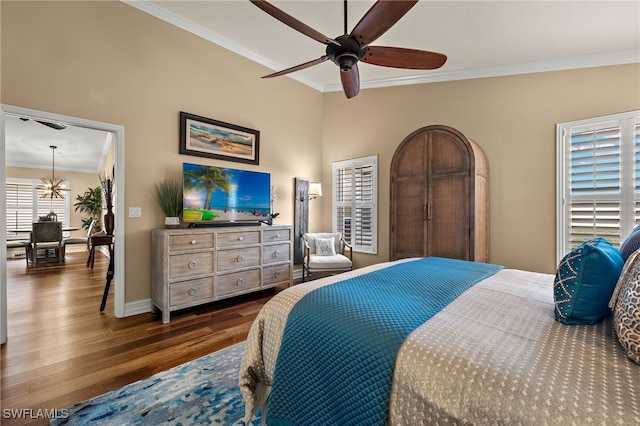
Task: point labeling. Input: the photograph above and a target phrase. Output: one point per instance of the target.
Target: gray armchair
(325, 252)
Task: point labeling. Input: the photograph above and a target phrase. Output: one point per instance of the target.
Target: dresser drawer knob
(240, 238)
(278, 253)
(240, 281)
(193, 291)
(240, 258)
(277, 274)
(277, 235)
(193, 242)
(193, 264)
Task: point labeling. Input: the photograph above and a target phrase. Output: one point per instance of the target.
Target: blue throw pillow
(631, 243)
(584, 282)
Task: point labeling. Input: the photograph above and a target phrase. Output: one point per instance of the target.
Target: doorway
(118, 132)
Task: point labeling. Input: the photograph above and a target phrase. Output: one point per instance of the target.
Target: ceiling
(481, 39)
(79, 149)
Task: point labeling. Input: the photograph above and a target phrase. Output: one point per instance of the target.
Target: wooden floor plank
(62, 350)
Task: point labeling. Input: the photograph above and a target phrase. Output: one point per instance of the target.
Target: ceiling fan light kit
(348, 49)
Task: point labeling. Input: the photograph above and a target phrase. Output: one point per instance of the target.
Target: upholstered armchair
(325, 252)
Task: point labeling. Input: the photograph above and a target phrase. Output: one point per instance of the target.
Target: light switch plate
(135, 212)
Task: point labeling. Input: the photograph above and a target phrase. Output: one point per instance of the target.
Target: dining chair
(14, 244)
(46, 236)
(79, 240)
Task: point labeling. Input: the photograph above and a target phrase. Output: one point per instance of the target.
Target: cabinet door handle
(427, 211)
(193, 291)
(240, 281)
(240, 258)
(193, 242)
(193, 264)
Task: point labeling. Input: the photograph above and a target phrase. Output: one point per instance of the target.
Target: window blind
(598, 179)
(25, 204)
(355, 202)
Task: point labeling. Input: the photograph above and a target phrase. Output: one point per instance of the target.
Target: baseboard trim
(138, 307)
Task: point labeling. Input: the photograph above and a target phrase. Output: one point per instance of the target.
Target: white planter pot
(171, 222)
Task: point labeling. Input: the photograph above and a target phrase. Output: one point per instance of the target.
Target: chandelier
(53, 187)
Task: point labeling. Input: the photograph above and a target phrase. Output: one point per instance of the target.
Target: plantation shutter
(598, 179)
(19, 210)
(25, 205)
(355, 202)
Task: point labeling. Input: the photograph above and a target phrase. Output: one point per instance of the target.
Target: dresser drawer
(238, 282)
(228, 239)
(276, 274)
(276, 235)
(189, 292)
(190, 242)
(275, 253)
(231, 259)
(190, 264)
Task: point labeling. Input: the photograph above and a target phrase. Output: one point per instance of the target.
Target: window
(355, 212)
(25, 205)
(598, 179)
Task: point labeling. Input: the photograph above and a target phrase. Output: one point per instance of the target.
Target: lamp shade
(315, 189)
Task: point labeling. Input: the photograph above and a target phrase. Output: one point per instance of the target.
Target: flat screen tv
(218, 195)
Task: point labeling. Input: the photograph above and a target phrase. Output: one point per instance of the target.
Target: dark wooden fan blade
(382, 16)
(293, 22)
(398, 57)
(298, 67)
(350, 81)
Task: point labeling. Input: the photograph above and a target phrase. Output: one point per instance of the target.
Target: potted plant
(168, 194)
(90, 202)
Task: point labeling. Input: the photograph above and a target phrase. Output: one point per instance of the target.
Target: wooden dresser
(190, 267)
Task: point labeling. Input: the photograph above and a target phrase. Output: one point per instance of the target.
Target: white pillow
(325, 246)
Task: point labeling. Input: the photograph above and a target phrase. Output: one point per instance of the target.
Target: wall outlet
(135, 212)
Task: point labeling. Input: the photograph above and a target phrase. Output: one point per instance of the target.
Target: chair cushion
(326, 246)
(311, 239)
(337, 261)
(584, 282)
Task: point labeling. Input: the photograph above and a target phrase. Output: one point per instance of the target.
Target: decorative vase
(108, 222)
(171, 222)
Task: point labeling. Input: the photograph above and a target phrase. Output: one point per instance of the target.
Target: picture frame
(205, 137)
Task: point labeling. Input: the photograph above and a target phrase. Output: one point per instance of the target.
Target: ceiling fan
(346, 50)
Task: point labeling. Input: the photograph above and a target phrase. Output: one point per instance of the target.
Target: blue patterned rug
(201, 392)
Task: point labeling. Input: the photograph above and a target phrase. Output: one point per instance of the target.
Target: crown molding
(202, 32)
(557, 64)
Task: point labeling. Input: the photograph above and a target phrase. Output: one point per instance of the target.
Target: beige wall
(512, 118)
(109, 62)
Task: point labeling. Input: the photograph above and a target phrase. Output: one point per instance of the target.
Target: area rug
(201, 392)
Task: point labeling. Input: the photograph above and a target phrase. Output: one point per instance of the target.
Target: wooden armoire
(439, 196)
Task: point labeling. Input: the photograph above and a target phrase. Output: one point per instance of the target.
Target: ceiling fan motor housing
(347, 54)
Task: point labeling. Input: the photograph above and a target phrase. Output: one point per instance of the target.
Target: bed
(493, 355)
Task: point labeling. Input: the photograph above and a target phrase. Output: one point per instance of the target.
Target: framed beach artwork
(205, 137)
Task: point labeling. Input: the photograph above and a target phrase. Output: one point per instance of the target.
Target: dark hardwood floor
(62, 350)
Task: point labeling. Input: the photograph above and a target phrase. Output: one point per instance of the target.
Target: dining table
(28, 230)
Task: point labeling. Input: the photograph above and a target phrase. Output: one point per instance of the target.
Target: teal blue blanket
(340, 341)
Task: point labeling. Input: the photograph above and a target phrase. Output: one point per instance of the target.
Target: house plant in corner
(169, 195)
(90, 202)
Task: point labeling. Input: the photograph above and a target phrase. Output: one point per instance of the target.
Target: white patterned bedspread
(495, 355)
